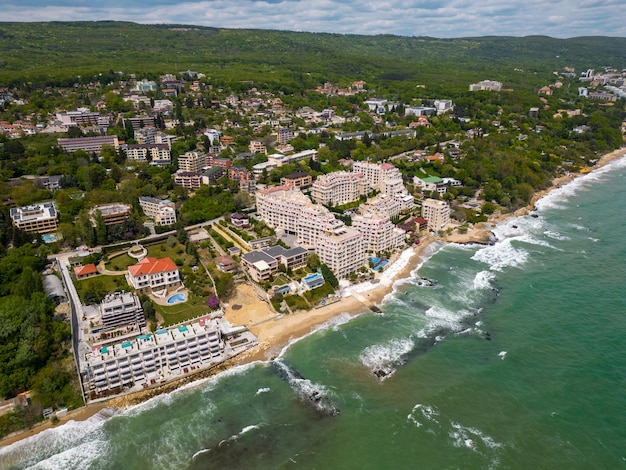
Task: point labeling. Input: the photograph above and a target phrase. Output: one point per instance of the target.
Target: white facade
(150, 358)
(339, 187)
(153, 273)
(379, 233)
(387, 179)
(163, 212)
(316, 228)
(436, 212)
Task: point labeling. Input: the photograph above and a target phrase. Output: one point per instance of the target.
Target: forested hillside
(55, 52)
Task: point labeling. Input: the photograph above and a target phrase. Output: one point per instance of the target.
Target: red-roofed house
(83, 272)
(153, 273)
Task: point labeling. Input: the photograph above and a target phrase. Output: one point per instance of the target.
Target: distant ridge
(58, 50)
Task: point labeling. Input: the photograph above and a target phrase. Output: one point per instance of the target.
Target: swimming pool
(176, 298)
(48, 238)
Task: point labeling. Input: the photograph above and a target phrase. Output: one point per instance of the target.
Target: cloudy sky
(436, 18)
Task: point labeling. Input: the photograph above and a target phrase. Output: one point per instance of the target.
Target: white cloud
(439, 18)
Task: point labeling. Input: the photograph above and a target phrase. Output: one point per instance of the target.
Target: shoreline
(274, 333)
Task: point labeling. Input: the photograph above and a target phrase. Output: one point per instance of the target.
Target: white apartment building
(384, 204)
(379, 233)
(148, 359)
(192, 162)
(486, 85)
(342, 250)
(152, 273)
(387, 179)
(316, 228)
(436, 212)
(37, 218)
(162, 211)
(339, 187)
(280, 160)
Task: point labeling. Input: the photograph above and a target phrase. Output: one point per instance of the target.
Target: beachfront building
(315, 227)
(379, 233)
(36, 218)
(261, 264)
(162, 211)
(152, 274)
(387, 179)
(152, 358)
(436, 212)
(120, 309)
(112, 214)
(339, 187)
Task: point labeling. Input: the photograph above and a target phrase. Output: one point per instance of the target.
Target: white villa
(152, 273)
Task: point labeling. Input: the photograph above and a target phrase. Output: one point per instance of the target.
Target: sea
(508, 356)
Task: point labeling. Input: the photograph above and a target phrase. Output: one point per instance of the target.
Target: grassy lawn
(280, 280)
(315, 296)
(296, 302)
(194, 307)
(101, 284)
(120, 263)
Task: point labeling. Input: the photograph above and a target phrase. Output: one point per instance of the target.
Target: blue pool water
(176, 298)
(48, 238)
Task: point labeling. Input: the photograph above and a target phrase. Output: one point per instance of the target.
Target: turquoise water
(513, 359)
(176, 298)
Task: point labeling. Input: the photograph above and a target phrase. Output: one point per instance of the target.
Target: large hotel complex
(342, 248)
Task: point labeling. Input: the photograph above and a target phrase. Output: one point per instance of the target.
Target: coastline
(275, 333)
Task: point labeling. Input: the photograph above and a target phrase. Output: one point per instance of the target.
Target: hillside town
(152, 200)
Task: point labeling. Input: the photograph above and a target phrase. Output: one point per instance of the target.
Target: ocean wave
(423, 413)
(558, 198)
(55, 440)
(501, 255)
(332, 323)
(263, 390)
(483, 280)
(471, 438)
(310, 392)
(383, 359)
(77, 457)
(235, 437)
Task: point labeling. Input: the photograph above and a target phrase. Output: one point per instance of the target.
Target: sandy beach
(274, 331)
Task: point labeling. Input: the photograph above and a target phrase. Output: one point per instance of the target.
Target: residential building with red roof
(152, 273)
(83, 272)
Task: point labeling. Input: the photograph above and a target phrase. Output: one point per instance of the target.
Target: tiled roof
(85, 270)
(150, 265)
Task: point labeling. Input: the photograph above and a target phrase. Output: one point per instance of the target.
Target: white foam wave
(234, 437)
(317, 394)
(483, 280)
(78, 457)
(555, 235)
(501, 255)
(502, 355)
(442, 317)
(55, 439)
(332, 323)
(557, 198)
(385, 357)
(263, 390)
(421, 413)
(200, 452)
(471, 438)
